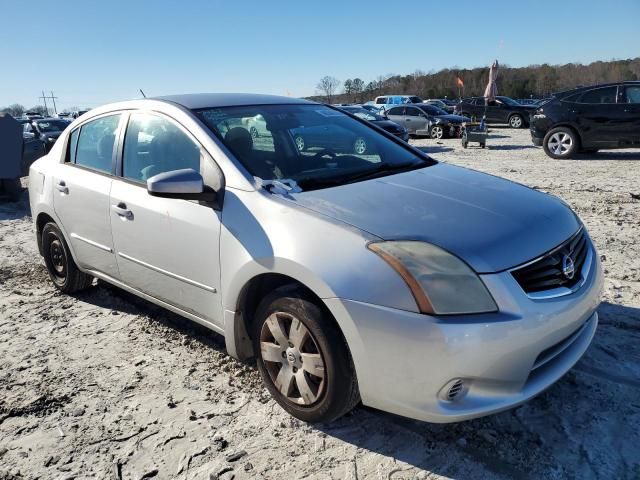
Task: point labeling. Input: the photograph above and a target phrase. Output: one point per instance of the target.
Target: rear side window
(413, 111)
(154, 145)
(600, 95)
(381, 100)
(396, 111)
(94, 145)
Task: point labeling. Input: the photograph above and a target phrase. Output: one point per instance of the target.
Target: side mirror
(186, 184)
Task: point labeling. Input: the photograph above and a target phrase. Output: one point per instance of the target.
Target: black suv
(502, 110)
(587, 119)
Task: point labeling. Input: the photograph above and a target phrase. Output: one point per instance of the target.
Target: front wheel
(302, 357)
(62, 269)
(436, 132)
(254, 132)
(560, 143)
(516, 121)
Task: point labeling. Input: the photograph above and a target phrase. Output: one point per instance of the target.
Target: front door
(600, 117)
(416, 121)
(167, 248)
(396, 114)
(82, 185)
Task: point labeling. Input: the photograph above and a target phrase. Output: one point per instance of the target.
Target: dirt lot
(103, 385)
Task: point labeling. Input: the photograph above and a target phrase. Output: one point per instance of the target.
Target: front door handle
(122, 211)
(62, 187)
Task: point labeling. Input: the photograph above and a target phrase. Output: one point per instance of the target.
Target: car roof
(194, 101)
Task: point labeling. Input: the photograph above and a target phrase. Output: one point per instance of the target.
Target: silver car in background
(382, 276)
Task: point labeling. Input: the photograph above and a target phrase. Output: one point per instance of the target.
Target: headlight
(440, 282)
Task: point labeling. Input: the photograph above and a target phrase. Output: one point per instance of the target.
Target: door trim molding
(91, 242)
(168, 274)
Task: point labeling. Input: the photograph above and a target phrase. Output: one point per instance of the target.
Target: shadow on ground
(435, 149)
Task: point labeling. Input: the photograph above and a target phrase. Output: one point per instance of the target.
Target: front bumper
(405, 362)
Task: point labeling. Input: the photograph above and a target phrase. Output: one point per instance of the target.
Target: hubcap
(436, 132)
(360, 146)
(516, 122)
(254, 132)
(292, 358)
(58, 258)
(560, 143)
(300, 143)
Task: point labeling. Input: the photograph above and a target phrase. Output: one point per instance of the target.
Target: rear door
(631, 101)
(82, 188)
(600, 117)
(167, 248)
(396, 114)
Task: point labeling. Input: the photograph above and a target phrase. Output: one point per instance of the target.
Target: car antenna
(142, 93)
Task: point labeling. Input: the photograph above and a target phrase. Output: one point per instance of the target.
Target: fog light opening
(454, 390)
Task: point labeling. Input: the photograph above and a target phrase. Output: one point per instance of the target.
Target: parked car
(32, 115)
(587, 119)
(78, 113)
(440, 104)
(384, 102)
(45, 129)
(421, 288)
(424, 119)
(378, 120)
(502, 110)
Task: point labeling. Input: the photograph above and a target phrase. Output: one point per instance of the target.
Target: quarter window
(600, 95)
(633, 94)
(94, 147)
(154, 145)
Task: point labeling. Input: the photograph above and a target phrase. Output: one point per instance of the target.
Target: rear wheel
(300, 143)
(254, 132)
(63, 271)
(302, 357)
(560, 142)
(516, 121)
(360, 146)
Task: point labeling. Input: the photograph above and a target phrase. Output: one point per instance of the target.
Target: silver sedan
(376, 275)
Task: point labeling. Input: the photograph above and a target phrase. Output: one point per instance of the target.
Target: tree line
(17, 110)
(537, 81)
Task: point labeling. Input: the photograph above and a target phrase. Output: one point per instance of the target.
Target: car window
(600, 95)
(313, 145)
(27, 128)
(381, 100)
(414, 112)
(95, 143)
(633, 94)
(154, 145)
(396, 111)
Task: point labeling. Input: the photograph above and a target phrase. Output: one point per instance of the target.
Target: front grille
(547, 272)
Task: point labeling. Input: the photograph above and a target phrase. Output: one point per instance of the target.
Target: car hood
(451, 118)
(491, 223)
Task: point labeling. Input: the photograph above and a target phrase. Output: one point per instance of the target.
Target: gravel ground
(104, 385)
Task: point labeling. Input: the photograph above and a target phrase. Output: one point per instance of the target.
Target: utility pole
(53, 99)
(44, 99)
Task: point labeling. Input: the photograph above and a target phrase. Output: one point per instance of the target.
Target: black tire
(482, 145)
(561, 143)
(436, 132)
(63, 271)
(516, 121)
(337, 391)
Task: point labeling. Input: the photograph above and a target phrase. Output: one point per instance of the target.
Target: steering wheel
(325, 152)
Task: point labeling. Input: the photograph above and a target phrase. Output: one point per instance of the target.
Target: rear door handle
(122, 211)
(62, 187)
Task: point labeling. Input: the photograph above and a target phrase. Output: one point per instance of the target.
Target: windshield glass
(433, 110)
(52, 125)
(508, 101)
(363, 113)
(314, 145)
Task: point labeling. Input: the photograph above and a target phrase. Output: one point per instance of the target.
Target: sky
(94, 52)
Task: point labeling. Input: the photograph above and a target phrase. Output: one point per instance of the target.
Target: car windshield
(314, 145)
(364, 114)
(52, 125)
(508, 101)
(432, 110)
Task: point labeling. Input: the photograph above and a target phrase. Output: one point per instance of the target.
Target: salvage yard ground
(104, 385)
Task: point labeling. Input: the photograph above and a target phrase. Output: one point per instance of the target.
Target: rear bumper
(406, 362)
